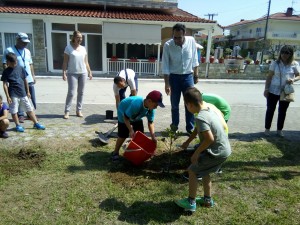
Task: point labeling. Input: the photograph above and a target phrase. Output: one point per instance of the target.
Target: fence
(140, 66)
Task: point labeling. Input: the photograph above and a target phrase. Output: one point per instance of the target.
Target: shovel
(104, 137)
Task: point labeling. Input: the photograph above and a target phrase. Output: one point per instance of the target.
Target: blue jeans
(179, 83)
(33, 100)
(271, 106)
(123, 90)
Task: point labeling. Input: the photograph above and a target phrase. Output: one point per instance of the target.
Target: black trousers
(271, 106)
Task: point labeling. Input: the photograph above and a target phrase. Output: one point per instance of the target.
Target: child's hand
(9, 101)
(195, 157)
(154, 140)
(131, 133)
(184, 145)
(29, 95)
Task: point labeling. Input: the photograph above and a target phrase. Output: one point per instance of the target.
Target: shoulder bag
(287, 93)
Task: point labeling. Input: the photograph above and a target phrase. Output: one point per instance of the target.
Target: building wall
(39, 59)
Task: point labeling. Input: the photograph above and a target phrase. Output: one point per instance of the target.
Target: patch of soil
(16, 164)
(31, 158)
(159, 167)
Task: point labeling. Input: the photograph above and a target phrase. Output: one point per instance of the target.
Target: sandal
(79, 114)
(66, 116)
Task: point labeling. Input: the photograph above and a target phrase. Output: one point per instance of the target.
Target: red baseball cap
(156, 96)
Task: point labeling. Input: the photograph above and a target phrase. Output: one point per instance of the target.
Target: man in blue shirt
(131, 110)
(25, 61)
(180, 69)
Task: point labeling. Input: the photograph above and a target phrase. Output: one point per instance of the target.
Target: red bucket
(139, 149)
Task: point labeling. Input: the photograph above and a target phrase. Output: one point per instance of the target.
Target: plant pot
(256, 62)
(211, 60)
(221, 60)
(202, 59)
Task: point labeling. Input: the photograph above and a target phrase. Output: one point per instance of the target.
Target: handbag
(288, 89)
(287, 97)
(287, 94)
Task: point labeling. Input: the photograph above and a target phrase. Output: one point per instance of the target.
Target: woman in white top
(75, 69)
(282, 71)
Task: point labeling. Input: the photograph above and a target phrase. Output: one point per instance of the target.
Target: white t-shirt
(130, 80)
(76, 64)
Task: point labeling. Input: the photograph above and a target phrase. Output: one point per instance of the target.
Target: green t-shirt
(219, 102)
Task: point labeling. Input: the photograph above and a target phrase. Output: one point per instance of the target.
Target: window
(1, 48)
(90, 28)
(63, 26)
(258, 29)
(238, 32)
(250, 31)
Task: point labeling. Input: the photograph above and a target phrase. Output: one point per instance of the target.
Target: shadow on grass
(293, 136)
(94, 119)
(143, 212)
(158, 168)
(289, 147)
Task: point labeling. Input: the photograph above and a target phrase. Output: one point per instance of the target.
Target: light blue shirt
(179, 60)
(133, 107)
(281, 74)
(22, 54)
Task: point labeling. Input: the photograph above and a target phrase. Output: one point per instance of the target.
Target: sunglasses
(286, 52)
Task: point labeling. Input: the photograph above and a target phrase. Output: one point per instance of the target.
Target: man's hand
(196, 79)
(167, 89)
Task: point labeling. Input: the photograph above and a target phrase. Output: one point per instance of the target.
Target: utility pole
(211, 15)
(265, 35)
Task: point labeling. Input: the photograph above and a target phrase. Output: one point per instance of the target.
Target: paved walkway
(246, 122)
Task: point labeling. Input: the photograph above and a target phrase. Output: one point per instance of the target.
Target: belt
(180, 74)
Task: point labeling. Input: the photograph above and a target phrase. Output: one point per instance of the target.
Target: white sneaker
(280, 133)
(267, 132)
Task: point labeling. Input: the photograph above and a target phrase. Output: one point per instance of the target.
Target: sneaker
(185, 175)
(205, 202)
(220, 171)
(115, 157)
(21, 119)
(186, 204)
(280, 133)
(19, 128)
(267, 132)
(3, 134)
(39, 126)
(189, 132)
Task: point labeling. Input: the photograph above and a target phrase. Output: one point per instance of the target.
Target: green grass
(74, 182)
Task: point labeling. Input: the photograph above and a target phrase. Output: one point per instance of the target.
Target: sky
(232, 11)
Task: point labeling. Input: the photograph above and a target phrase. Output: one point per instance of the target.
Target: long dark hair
(287, 48)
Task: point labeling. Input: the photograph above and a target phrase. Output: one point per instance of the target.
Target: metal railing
(140, 66)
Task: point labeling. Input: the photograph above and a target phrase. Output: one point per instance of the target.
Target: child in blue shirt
(4, 122)
(17, 91)
(131, 110)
